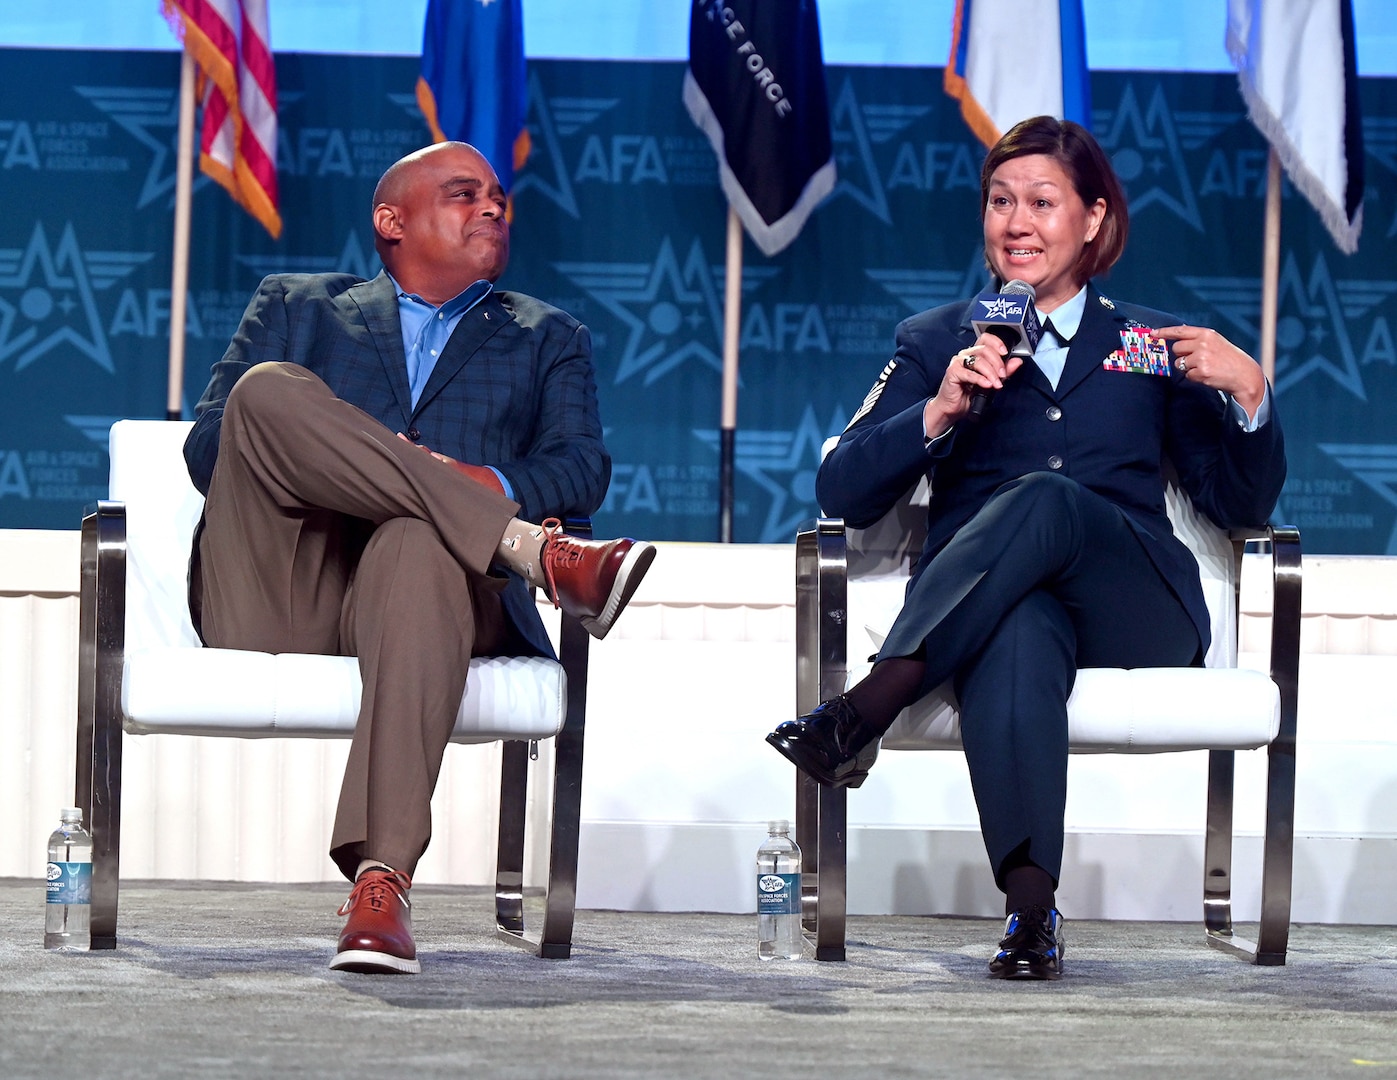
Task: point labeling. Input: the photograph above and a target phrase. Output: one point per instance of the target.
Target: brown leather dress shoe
(377, 939)
(592, 580)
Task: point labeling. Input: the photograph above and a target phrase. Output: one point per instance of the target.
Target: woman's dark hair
(1082, 158)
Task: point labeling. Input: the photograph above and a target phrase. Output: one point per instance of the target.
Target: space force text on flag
(756, 88)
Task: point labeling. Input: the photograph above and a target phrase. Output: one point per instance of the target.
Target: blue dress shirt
(426, 330)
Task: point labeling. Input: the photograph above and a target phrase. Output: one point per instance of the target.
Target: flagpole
(1271, 266)
(732, 319)
(179, 272)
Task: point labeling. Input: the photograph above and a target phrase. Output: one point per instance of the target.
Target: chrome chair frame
(822, 812)
(101, 660)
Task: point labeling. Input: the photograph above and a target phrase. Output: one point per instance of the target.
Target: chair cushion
(1127, 711)
(195, 691)
(150, 477)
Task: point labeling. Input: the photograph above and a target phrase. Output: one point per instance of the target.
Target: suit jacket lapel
(476, 327)
(1097, 337)
(378, 303)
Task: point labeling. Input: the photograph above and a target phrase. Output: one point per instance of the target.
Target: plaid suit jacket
(514, 389)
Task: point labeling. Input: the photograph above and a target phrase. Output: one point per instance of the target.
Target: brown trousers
(326, 533)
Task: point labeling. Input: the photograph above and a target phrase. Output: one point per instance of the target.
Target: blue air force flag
(756, 87)
(1295, 64)
(474, 86)
(998, 83)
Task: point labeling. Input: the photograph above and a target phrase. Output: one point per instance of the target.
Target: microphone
(1008, 315)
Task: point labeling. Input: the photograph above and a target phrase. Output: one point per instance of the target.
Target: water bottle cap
(776, 828)
(70, 815)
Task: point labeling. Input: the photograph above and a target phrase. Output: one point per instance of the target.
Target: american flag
(229, 42)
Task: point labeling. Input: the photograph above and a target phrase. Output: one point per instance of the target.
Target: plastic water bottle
(778, 895)
(69, 884)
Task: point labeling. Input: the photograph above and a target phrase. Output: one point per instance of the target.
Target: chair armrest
(1283, 542)
(101, 635)
(1286, 567)
(821, 611)
(574, 647)
(101, 657)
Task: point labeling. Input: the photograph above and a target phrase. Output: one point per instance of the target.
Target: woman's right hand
(983, 366)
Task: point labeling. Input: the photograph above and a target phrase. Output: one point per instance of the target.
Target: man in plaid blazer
(374, 455)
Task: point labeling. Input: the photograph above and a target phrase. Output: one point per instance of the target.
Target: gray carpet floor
(220, 980)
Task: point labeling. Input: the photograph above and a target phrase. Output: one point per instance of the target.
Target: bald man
(375, 455)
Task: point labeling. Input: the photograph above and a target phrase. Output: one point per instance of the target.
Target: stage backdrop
(619, 220)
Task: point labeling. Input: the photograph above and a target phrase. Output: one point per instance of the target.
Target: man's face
(449, 224)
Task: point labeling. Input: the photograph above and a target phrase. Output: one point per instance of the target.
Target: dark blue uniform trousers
(1047, 578)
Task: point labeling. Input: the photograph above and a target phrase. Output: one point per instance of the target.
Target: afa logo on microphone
(1009, 314)
(1001, 309)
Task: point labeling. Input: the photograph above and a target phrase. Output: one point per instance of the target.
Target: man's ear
(387, 223)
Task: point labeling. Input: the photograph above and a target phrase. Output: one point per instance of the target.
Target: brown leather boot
(592, 579)
(377, 939)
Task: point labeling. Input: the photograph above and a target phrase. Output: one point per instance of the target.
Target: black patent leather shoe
(1032, 947)
(830, 743)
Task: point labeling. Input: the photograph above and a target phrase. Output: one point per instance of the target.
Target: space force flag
(229, 43)
(756, 87)
(474, 87)
(1295, 64)
(998, 82)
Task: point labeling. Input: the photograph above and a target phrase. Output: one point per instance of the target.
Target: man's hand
(479, 473)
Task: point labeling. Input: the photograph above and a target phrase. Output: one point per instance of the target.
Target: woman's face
(1036, 226)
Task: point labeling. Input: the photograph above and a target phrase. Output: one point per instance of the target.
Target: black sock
(890, 687)
(1028, 886)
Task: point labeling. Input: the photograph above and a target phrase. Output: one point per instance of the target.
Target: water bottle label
(70, 883)
(778, 894)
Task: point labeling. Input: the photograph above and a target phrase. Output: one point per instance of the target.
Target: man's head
(439, 221)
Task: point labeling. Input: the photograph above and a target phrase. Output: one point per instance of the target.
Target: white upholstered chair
(849, 582)
(142, 670)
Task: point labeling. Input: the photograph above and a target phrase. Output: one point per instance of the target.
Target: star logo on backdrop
(47, 301)
(1146, 152)
(783, 464)
(151, 116)
(855, 130)
(924, 289)
(549, 120)
(1375, 466)
(355, 257)
(671, 312)
(1312, 320)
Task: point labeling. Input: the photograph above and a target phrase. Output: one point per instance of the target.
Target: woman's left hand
(1205, 356)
